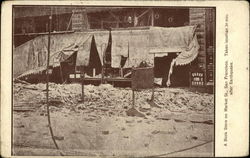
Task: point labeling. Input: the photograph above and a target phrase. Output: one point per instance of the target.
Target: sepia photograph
(120, 81)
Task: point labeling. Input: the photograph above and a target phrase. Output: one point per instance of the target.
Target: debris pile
(108, 100)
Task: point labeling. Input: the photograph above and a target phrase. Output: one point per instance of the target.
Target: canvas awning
(179, 39)
(132, 44)
(135, 45)
(32, 55)
(101, 40)
(140, 45)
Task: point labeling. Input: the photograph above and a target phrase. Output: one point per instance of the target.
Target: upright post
(133, 97)
(103, 64)
(48, 58)
(82, 77)
(121, 72)
(47, 86)
(152, 17)
(153, 91)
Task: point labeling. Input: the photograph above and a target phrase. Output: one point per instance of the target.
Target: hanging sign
(197, 79)
(142, 78)
(79, 20)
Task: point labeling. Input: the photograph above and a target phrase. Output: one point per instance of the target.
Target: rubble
(108, 100)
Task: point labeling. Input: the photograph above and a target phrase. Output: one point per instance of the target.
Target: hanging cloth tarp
(31, 57)
(94, 59)
(101, 40)
(130, 44)
(178, 39)
(185, 57)
(119, 48)
(84, 43)
(108, 51)
(173, 39)
(138, 49)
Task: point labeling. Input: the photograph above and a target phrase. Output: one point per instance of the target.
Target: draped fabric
(140, 45)
(101, 39)
(84, 43)
(185, 57)
(176, 39)
(135, 46)
(173, 39)
(188, 55)
(132, 44)
(120, 40)
(31, 57)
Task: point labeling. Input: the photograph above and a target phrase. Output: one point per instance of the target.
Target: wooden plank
(43, 33)
(201, 41)
(201, 59)
(201, 26)
(202, 53)
(197, 21)
(202, 49)
(202, 45)
(196, 14)
(196, 10)
(200, 30)
(200, 35)
(196, 17)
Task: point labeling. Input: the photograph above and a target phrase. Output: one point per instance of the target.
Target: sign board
(197, 79)
(142, 78)
(79, 20)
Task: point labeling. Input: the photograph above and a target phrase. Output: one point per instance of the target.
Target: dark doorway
(94, 59)
(180, 75)
(68, 67)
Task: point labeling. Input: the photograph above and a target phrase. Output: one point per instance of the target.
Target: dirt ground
(178, 123)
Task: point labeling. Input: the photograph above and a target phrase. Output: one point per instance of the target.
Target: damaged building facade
(105, 43)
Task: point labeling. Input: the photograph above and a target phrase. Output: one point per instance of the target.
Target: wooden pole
(70, 21)
(47, 71)
(153, 95)
(133, 99)
(44, 33)
(93, 72)
(101, 24)
(47, 87)
(152, 17)
(103, 64)
(83, 76)
(102, 75)
(121, 72)
(61, 73)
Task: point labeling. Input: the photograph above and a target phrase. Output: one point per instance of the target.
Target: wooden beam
(152, 17)
(70, 21)
(43, 33)
(101, 24)
(88, 30)
(116, 18)
(143, 13)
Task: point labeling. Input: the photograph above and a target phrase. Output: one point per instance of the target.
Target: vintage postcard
(124, 78)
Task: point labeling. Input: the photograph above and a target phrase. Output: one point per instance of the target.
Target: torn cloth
(185, 57)
(132, 44)
(101, 40)
(173, 39)
(32, 55)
